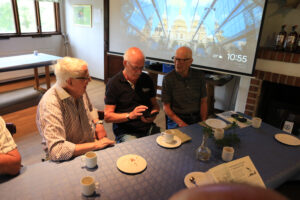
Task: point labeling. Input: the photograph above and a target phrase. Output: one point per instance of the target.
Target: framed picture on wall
(82, 15)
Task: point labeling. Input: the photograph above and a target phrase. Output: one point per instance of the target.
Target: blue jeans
(189, 119)
(125, 137)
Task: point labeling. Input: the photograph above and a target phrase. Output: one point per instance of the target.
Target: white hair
(66, 68)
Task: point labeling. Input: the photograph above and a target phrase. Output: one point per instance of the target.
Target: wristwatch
(127, 116)
(98, 122)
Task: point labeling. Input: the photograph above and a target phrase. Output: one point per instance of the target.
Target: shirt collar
(62, 93)
(184, 78)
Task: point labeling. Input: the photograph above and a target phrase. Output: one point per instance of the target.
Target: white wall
(277, 14)
(87, 43)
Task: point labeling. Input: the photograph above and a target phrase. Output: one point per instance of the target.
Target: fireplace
(279, 103)
(275, 98)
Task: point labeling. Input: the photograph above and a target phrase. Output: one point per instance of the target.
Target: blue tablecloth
(165, 171)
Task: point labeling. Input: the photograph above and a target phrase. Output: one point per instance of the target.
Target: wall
(277, 14)
(87, 43)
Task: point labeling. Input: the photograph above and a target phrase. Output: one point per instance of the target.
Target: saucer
(287, 139)
(215, 123)
(200, 178)
(131, 164)
(176, 142)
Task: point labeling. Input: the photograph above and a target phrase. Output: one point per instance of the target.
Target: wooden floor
(27, 136)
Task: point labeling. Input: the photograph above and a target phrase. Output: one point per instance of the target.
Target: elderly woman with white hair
(66, 118)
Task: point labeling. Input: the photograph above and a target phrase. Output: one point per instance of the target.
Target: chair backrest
(11, 128)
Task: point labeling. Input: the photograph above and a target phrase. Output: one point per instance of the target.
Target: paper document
(238, 171)
(227, 116)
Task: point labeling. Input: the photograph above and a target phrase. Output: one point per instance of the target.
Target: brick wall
(260, 76)
(256, 83)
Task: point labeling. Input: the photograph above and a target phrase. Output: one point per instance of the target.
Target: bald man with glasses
(130, 99)
(184, 92)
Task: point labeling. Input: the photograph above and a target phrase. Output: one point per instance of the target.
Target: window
(29, 17)
(7, 23)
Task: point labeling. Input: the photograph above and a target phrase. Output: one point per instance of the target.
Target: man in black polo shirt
(184, 92)
(130, 99)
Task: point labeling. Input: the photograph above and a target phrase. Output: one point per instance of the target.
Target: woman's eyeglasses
(88, 78)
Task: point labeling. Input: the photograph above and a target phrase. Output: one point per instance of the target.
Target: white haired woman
(66, 118)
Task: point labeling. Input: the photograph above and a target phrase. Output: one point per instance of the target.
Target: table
(165, 171)
(29, 61)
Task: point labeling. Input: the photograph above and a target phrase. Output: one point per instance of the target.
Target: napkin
(184, 137)
(205, 125)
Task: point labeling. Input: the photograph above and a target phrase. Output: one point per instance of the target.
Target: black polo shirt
(119, 93)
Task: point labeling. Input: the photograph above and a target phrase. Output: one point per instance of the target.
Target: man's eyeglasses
(135, 68)
(180, 60)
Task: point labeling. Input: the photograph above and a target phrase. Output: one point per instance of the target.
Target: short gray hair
(66, 68)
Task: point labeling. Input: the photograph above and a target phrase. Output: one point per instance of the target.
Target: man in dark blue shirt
(130, 99)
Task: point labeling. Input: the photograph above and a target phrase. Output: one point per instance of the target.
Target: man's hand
(149, 119)
(182, 124)
(104, 142)
(100, 131)
(137, 112)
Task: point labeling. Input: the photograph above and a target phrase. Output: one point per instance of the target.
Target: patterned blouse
(63, 123)
(7, 143)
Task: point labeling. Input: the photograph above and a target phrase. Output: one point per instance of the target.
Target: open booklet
(238, 171)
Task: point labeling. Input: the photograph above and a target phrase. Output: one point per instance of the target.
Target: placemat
(184, 137)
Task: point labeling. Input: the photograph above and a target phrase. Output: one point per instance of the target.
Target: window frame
(38, 22)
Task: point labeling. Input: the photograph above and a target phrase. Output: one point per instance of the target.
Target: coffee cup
(89, 159)
(168, 137)
(227, 153)
(256, 122)
(88, 185)
(219, 133)
(35, 52)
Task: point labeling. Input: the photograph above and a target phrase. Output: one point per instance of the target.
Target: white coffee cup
(88, 185)
(168, 137)
(219, 133)
(90, 159)
(227, 153)
(256, 122)
(35, 52)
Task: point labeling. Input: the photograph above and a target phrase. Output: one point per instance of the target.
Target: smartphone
(154, 114)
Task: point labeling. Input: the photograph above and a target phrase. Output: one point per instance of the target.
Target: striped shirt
(62, 123)
(7, 143)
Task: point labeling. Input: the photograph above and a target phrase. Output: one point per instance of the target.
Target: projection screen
(223, 34)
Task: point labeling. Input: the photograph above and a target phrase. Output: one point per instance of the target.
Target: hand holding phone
(148, 114)
(154, 114)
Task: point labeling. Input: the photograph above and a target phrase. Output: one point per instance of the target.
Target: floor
(28, 138)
